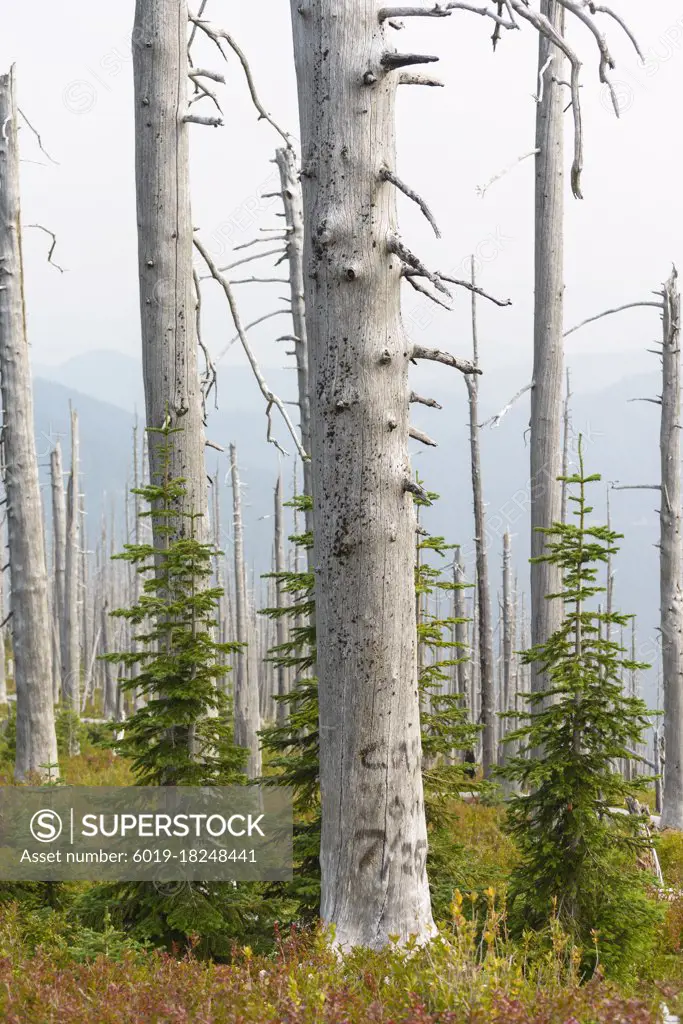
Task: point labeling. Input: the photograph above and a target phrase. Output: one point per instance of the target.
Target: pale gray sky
(75, 85)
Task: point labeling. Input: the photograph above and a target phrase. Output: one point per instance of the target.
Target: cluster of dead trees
(347, 264)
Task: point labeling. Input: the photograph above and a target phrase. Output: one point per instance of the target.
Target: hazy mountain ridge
(620, 442)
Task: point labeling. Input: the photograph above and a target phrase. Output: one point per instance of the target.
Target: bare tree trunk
(294, 213)
(462, 652)
(670, 558)
(35, 726)
(280, 600)
(58, 555)
(566, 437)
(3, 653)
(546, 394)
(165, 239)
(486, 666)
(246, 691)
(374, 837)
(71, 680)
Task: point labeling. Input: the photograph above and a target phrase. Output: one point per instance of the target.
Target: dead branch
(209, 377)
(216, 34)
(208, 122)
(408, 274)
(412, 487)
(654, 401)
(609, 312)
(414, 283)
(396, 246)
(442, 11)
(387, 175)
(394, 61)
(430, 402)
(416, 79)
(52, 247)
(261, 280)
(481, 190)
(494, 421)
(438, 356)
(259, 241)
(250, 259)
(249, 327)
(635, 487)
(269, 395)
(418, 435)
(40, 141)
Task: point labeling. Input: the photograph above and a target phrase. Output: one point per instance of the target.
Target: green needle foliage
(182, 734)
(292, 749)
(578, 854)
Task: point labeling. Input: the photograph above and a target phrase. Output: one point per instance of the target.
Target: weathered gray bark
(293, 200)
(486, 665)
(35, 727)
(58, 553)
(71, 665)
(246, 692)
(167, 301)
(671, 597)
(3, 653)
(546, 395)
(462, 652)
(110, 681)
(566, 437)
(374, 838)
(280, 601)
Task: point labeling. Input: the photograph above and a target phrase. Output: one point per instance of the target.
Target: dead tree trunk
(35, 726)
(486, 665)
(58, 555)
(3, 652)
(280, 600)
(165, 240)
(71, 680)
(671, 597)
(294, 218)
(374, 838)
(546, 395)
(246, 692)
(462, 651)
(566, 437)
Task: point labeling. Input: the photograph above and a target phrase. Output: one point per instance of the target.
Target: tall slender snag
(35, 728)
(246, 693)
(280, 600)
(671, 596)
(487, 715)
(546, 395)
(71, 650)
(292, 197)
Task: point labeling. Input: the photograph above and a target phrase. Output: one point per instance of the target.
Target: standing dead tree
(280, 600)
(246, 690)
(487, 716)
(167, 298)
(670, 555)
(71, 650)
(36, 745)
(58, 561)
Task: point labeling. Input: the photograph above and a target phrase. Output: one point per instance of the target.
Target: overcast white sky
(75, 84)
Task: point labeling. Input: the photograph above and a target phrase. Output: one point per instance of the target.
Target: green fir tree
(578, 849)
(182, 734)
